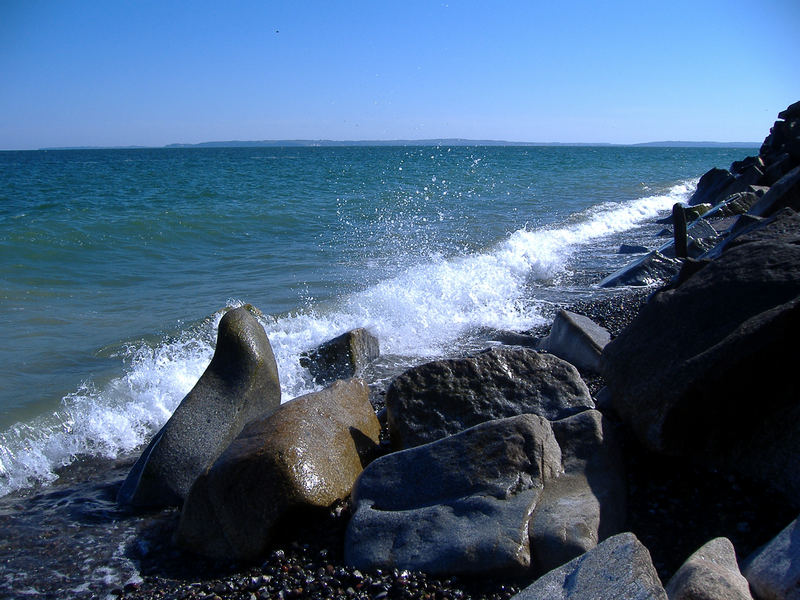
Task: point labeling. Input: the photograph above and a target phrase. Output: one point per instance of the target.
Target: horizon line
(323, 142)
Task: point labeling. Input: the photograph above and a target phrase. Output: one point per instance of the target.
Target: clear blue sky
(151, 73)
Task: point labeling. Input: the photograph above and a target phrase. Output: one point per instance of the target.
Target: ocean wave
(421, 312)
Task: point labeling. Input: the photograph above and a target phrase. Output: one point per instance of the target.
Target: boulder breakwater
(577, 462)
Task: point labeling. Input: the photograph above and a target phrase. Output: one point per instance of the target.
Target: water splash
(420, 312)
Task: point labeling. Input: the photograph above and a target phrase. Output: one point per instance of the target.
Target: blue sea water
(115, 266)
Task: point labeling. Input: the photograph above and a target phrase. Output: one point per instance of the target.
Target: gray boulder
(304, 456)
(240, 384)
(618, 568)
(444, 397)
(577, 339)
(586, 504)
(342, 357)
(773, 571)
(681, 374)
(711, 573)
(651, 268)
(457, 505)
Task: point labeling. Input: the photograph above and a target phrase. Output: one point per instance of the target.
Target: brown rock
(304, 456)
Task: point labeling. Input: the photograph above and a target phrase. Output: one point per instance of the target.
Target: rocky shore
(646, 446)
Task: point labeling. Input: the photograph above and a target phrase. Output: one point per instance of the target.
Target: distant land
(427, 142)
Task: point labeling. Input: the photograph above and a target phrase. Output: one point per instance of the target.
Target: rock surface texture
(342, 357)
(240, 384)
(619, 567)
(711, 573)
(457, 505)
(773, 571)
(577, 339)
(586, 504)
(444, 397)
(686, 394)
(306, 455)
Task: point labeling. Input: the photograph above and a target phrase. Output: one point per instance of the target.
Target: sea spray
(419, 313)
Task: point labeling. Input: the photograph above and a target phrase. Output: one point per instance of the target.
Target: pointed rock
(618, 568)
(240, 383)
(711, 573)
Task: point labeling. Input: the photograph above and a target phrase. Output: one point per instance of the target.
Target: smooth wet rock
(586, 504)
(444, 397)
(342, 357)
(773, 570)
(457, 505)
(304, 456)
(704, 371)
(711, 573)
(240, 384)
(618, 568)
(577, 339)
(650, 269)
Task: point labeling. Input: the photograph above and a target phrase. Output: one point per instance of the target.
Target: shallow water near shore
(115, 265)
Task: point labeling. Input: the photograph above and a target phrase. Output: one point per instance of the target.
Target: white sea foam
(419, 313)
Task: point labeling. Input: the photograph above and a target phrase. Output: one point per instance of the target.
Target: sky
(119, 73)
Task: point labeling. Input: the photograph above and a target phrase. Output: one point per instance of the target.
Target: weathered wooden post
(679, 224)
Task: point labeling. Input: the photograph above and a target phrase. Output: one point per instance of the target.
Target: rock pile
(502, 464)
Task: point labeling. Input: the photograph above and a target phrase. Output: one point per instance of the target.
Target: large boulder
(444, 397)
(585, 504)
(342, 357)
(457, 505)
(773, 571)
(710, 186)
(703, 371)
(711, 573)
(619, 567)
(240, 384)
(304, 456)
(577, 339)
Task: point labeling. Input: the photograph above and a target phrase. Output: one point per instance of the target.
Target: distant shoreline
(424, 142)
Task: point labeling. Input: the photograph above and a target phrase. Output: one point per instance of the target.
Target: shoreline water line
(417, 314)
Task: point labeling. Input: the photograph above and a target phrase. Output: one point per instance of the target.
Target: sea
(116, 266)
